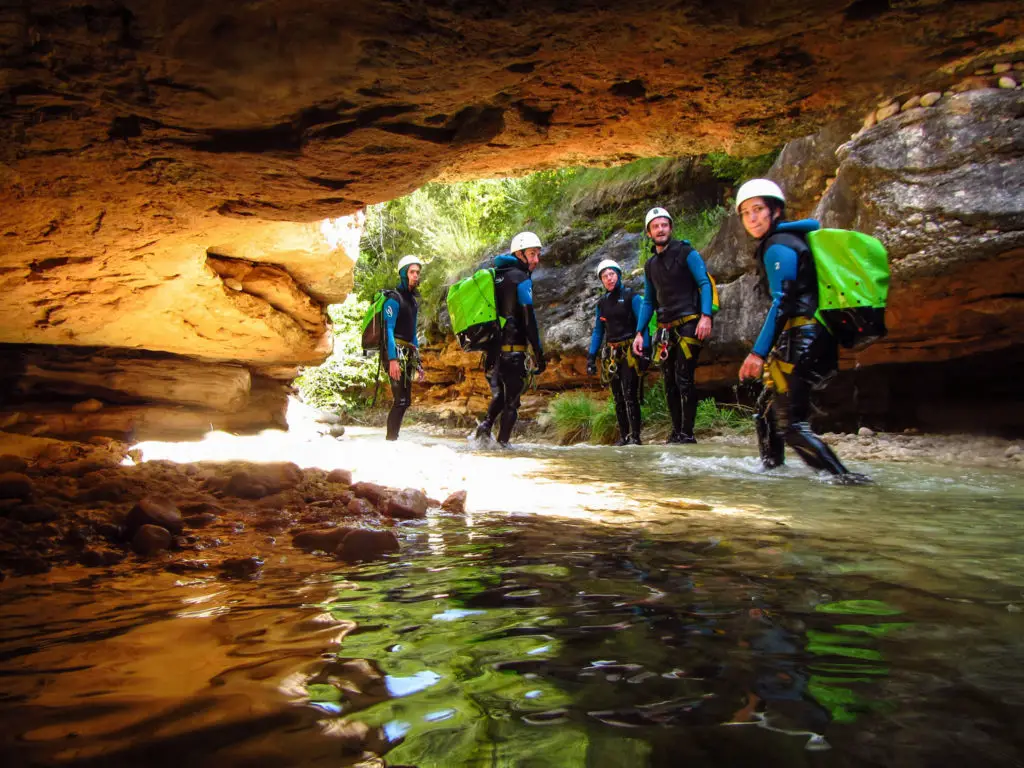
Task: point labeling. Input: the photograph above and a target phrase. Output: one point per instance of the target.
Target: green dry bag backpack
(853, 284)
(373, 323)
(473, 311)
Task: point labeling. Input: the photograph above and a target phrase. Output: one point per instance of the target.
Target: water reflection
(720, 617)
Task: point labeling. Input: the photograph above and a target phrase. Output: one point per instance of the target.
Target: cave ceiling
(141, 138)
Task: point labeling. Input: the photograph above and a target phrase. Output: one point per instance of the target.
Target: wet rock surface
(60, 510)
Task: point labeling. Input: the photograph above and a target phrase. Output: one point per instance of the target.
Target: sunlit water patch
(658, 606)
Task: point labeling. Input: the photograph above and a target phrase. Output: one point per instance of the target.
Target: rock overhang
(149, 143)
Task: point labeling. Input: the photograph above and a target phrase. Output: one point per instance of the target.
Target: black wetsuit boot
(680, 388)
(512, 380)
(770, 444)
(617, 384)
(401, 391)
(813, 353)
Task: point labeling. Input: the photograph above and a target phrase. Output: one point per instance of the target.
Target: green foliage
(699, 226)
(346, 380)
(573, 415)
(736, 170)
(578, 417)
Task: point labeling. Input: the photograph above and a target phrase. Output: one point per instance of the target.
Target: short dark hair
(775, 206)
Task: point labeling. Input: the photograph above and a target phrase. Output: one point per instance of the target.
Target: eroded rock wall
(943, 187)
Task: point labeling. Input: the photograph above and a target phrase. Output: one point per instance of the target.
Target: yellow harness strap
(775, 373)
(798, 322)
(681, 321)
(514, 348)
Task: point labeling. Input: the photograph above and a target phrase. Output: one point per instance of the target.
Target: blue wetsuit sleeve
(643, 317)
(780, 262)
(597, 336)
(638, 308)
(524, 293)
(700, 274)
(390, 319)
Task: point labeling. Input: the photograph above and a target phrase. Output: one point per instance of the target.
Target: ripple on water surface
(726, 618)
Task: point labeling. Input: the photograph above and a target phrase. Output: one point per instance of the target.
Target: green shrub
(573, 414)
(736, 170)
(578, 417)
(346, 380)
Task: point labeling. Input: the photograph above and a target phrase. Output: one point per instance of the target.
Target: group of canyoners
(795, 352)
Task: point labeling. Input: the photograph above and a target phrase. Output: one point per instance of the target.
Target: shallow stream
(651, 606)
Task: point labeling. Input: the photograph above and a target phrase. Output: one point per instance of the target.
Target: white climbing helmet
(525, 240)
(656, 213)
(408, 260)
(608, 264)
(758, 188)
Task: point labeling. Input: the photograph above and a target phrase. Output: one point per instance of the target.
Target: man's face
(413, 274)
(660, 230)
(609, 278)
(532, 257)
(756, 217)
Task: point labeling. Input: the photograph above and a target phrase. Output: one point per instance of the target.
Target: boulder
(155, 512)
(407, 504)
(150, 539)
(100, 556)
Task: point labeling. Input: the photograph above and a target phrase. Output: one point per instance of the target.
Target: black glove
(591, 366)
(644, 361)
(542, 366)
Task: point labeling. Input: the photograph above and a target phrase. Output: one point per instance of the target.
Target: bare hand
(638, 345)
(394, 370)
(752, 367)
(704, 327)
(420, 374)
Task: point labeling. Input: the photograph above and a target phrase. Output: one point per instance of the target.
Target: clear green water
(663, 607)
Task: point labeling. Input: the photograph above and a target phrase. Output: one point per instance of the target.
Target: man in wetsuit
(614, 324)
(507, 363)
(401, 341)
(794, 350)
(677, 287)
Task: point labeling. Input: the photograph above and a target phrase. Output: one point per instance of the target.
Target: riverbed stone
(35, 513)
(361, 507)
(1013, 450)
(150, 539)
(241, 567)
(12, 463)
(342, 476)
(456, 502)
(407, 504)
(14, 485)
(202, 520)
(96, 557)
(930, 98)
(363, 544)
(865, 432)
(325, 540)
(372, 492)
(1007, 82)
(108, 490)
(154, 511)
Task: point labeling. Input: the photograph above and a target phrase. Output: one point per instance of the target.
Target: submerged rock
(34, 513)
(374, 493)
(362, 544)
(342, 476)
(326, 540)
(11, 463)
